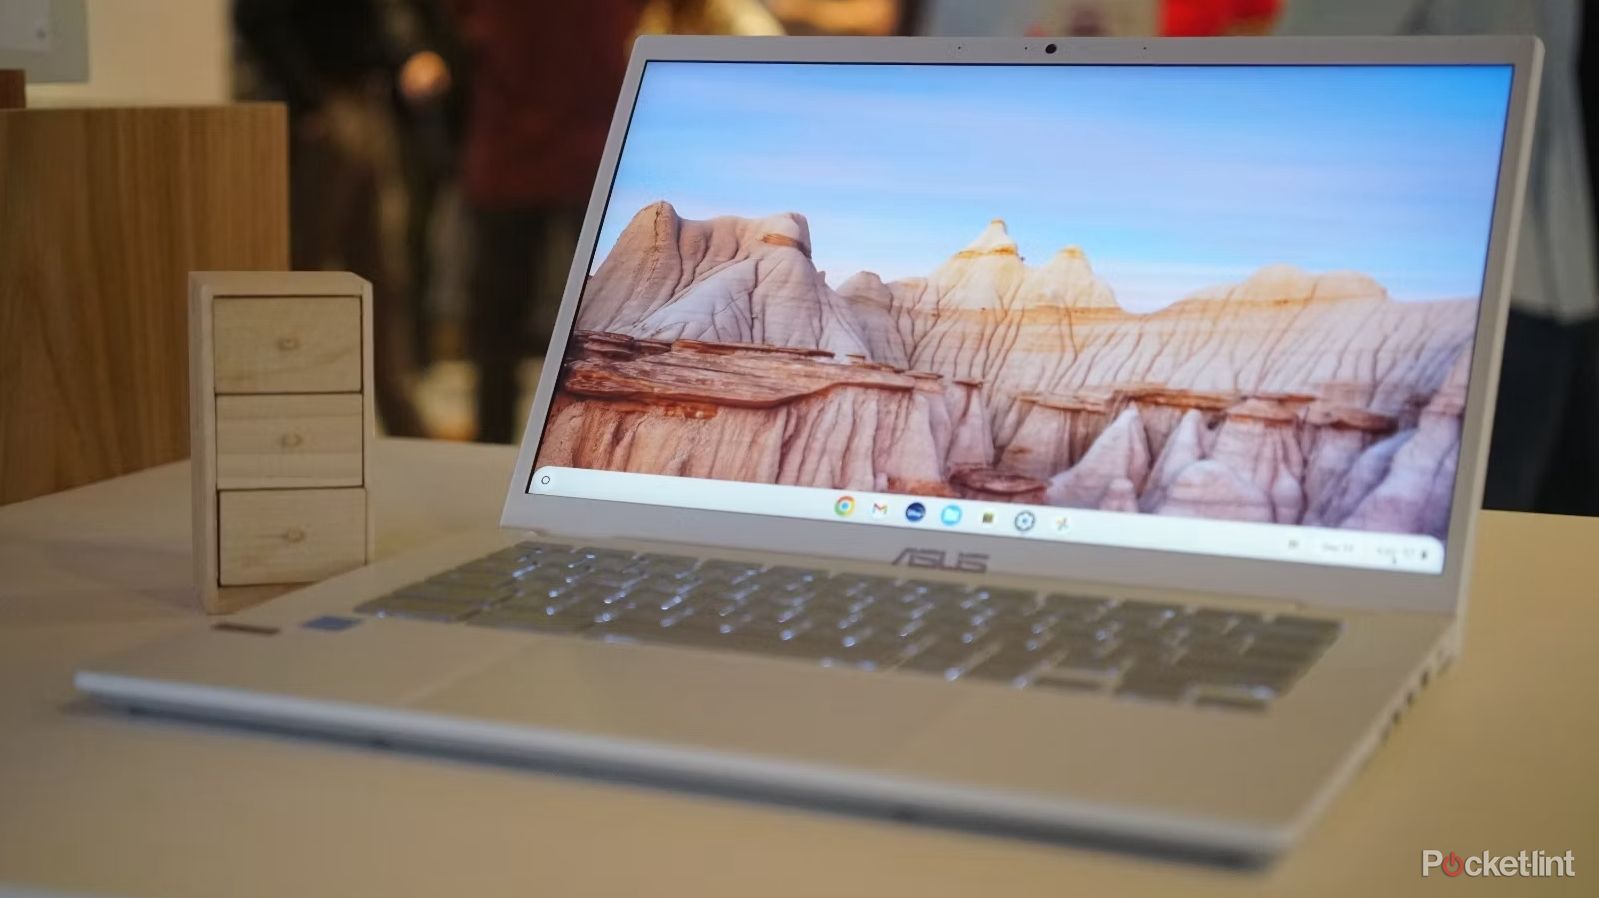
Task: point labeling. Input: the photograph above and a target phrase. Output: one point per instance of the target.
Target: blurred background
(444, 149)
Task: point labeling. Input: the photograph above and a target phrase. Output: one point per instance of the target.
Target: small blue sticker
(331, 622)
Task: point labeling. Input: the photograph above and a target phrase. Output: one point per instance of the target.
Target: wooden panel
(289, 536)
(287, 344)
(13, 89)
(104, 212)
(311, 440)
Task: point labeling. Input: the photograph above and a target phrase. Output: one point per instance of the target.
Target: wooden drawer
(302, 344)
(289, 536)
(305, 440)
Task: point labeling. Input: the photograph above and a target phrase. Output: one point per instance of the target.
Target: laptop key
(1076, 678)
(1247, 698)
(1008, 666)
(936, 658)
(417, 609)
(1288, 626)
(1217, 644)
(1151, 614)
(1153, 681)
(1286, 655)
(669, 566)
(1219, 621)
(1076, 607)
(866, 649)
(1092, 658)
(729, 570)
(1275, 678)
(1007, 598)
(936, 591)
(865, 585)
(541, 604)
(951, 660)
(602, 552)
(530, 619)
(451, 594)
(477, 579)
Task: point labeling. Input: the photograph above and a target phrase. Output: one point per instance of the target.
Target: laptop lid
(1218, 315)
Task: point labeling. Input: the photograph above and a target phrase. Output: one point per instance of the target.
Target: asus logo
(971, 562)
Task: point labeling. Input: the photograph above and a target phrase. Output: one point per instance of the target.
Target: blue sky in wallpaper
(1169, 178)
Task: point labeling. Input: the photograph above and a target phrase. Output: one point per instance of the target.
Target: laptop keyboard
(1082, 643)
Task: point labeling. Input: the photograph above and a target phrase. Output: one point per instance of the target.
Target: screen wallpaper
(1242, 293)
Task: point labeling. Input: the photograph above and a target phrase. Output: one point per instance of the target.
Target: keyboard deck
(1149, 650)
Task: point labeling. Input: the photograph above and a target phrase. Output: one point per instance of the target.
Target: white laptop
(1074, 438)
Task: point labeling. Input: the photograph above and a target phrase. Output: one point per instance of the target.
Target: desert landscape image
(1295, 391)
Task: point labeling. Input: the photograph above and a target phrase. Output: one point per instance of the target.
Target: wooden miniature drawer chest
(281, 424)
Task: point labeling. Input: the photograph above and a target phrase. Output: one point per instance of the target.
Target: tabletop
(1498, 755)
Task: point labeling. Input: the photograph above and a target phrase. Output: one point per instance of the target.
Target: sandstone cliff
(716, 349)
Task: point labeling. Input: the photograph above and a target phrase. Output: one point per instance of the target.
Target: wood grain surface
(289, 442)
(13, 89)
(103, 213)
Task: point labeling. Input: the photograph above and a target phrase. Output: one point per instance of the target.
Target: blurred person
(338, 66)
(1037, 18)
(430, 126)
(876, 18)
(1545, 451)
(1105, 18)
(544, 78)
(544, 81)
(1217, 18)
(745, 17)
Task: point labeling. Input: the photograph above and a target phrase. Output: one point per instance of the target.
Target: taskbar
(1415, 553)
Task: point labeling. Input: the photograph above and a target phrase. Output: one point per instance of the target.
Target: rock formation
(1334, 437)
(1120, 453)
(1257, 442)
(716, 349)
(723, 280)
(1054, 432)
(1188, 443)
(744, 412)
(1210, 489)
(1416, 494)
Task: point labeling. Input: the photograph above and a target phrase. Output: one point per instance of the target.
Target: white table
(1502, 753)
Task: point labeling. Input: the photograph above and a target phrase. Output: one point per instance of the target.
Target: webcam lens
(1049, 48)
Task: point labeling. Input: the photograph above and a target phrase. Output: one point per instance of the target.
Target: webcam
(1049, 48)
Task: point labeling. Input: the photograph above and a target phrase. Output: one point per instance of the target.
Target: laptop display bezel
(1314, 584)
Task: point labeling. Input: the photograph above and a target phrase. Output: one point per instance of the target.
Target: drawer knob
(294, 535)
(291, 440)
(288, 344)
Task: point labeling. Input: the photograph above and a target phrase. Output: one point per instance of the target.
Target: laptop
(1068, 438)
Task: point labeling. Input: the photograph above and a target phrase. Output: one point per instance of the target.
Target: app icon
(845, 506)
(879, 509)
(951, 515)
(1025, 521)
(915, 512)
(1061, 524)
(988, 517)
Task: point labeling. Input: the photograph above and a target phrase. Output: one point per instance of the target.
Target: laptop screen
(1218, 309)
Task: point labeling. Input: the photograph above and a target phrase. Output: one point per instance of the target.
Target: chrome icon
(1025, 521)
(845, 506)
